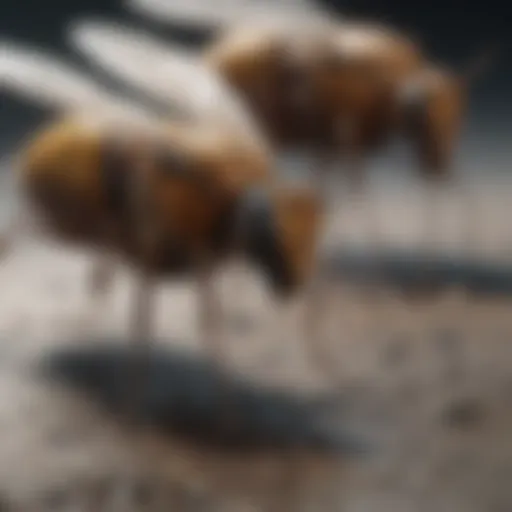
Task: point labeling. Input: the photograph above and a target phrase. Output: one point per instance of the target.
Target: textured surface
(426, 381)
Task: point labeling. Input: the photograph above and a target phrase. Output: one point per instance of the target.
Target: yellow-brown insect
(169, 201)
(80, 174)
(345, 89)
(165, 196)
(332, 89)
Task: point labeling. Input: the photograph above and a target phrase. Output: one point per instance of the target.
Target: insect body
(328, 89)
(342, 89)
(84, 178)
(167, 196)
(345, 91)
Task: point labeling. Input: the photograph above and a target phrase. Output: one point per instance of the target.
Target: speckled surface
(428, 382)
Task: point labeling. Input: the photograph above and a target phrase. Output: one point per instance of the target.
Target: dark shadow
(416, 272)
(185, 396)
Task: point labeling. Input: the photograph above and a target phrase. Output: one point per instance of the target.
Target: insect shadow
(186, 396)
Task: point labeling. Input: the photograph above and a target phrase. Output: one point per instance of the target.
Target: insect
(346, 90)
(167, 195)
(331, 88)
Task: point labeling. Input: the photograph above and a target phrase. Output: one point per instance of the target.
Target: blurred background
(428, 381)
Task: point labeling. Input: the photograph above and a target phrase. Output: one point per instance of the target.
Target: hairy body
(167, 197)
(88, 179)
(343, 89)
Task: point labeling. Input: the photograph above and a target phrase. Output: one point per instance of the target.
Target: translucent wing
(220, 14)
(46, 80)
(171, 74)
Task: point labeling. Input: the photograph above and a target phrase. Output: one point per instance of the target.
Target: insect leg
(101, 276)
(140, 333)
(210, 313)
(145, 223)
(98, 283)
(432, 214)
(350, 139)
(315, 303)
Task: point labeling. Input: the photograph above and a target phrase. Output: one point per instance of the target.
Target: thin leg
(432, 219)
(315, 290)
(362, 199)
(144, 221)
(211, 322)
(135, 391)
(98, 284)
(472, 216)
(140, 334)
(210, 315)
(350, 135)
(356, 192)
(101, 277)
(313, 322)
